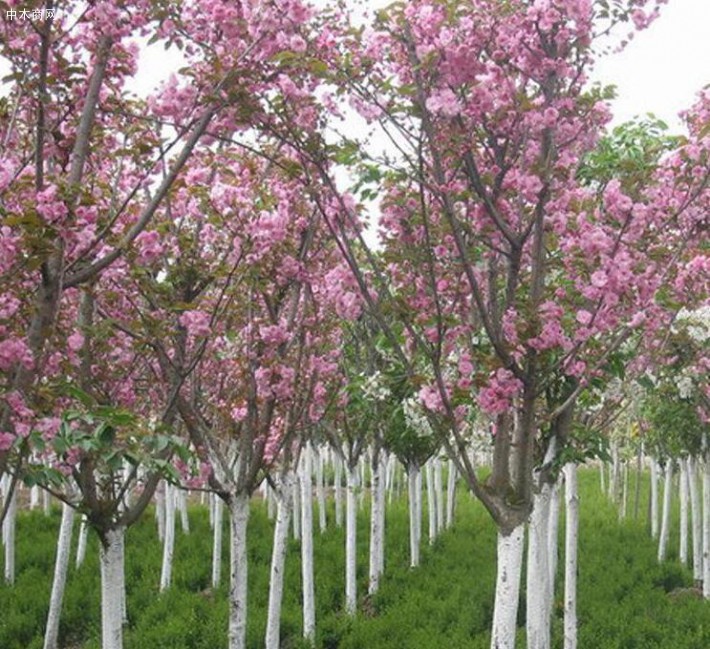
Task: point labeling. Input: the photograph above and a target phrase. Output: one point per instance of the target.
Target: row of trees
(188, 291)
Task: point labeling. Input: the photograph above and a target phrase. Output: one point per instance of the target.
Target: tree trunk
(696, 520)
(553, 534)
(505, 611)
(602, 485)
(439, 493)
(61, 567)
(414, 514)
(654, 498)
(431, 500)
(217, 516)
(81, 544)
(538, 598)
(112, 589)
(624, 489)
(181, 501)
(160, 510)
(666, 517)
(169, 538)
(309, 600)
(278, 559)
(377, 495)
(706, 526)
(683, 545)
(571, 533)
(320, 492)
(451, 494)
(351, 539)
(296, 514)
(238, 520)
(338, 488)
(8, 537)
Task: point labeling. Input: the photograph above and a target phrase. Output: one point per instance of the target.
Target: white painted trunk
(505, 610)
(431, 500)
(8, 537)
(654, 498)
(602, 485)
(181, 497)
(271, 502)
(624, 490)
(34, 497)
(571, 535)
(683, 483)
(553, 534)
(363, 482)
(320, 492)
(538, 598)
(451, 494)
(296, 514)
(414, 515)
(309, 599)
(706, 527)
(666, 517)
(696, 520)
(238, 521)
(377, 520)
(338, 488)
(217, 515)
(168, 539)
(351, 540)
(46, 502)
(81, 543)
(614, 479)
(61, 567)
(112, 589)
(283, 499)
(383, 514)
(439, 495)
(160, 510)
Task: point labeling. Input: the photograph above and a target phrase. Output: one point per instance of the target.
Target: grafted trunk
(217, 516)
(283, 499)
(61, 567)
(238, 520)
(112, 589)
(351, 540)
(505, 611)
(538, 599)
(309, 599)
(666, 517)
(571, 534)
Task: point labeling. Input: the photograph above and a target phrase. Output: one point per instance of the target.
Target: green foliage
(626, 599)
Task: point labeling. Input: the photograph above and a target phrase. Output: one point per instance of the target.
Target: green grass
(624, 600)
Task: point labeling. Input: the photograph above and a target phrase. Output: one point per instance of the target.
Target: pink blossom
(196, 322)
(496, 396)
(76, 341)
(12, 351)
(444, 102)
(6, 441)
(431, 398)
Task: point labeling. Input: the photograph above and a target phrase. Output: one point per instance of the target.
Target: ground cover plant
(626, 599)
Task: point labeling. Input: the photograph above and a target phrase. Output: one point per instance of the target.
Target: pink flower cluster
(12, 351)
(496, 396)
(196, 322)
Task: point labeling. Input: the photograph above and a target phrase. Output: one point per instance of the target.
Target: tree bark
(61, 567)
(338, 488)
(706, 526)
(414, 514)
(451, 494)
(654, 498)
(683, 543)
(320, 491)
(377, 511)
(439, 495)
(696, 521)
(431, 500)
(81, 544)
(8, 537)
